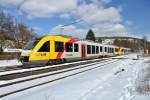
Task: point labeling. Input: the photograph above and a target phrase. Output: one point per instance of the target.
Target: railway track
(23, 72)
(10, 68)
(19, 67)
(57, 73)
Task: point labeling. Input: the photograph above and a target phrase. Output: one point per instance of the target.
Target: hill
(129, 42)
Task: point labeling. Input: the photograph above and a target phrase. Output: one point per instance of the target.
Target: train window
(105, 49)
(125, 50)
(59, 46)
(101, 49)
(108, 49)
(31, 45)
(69, 47)
(76, 48)
(112, 50)
(97, 49)
(93, 49)
(116, 49)
(88, 49)
(45, 47)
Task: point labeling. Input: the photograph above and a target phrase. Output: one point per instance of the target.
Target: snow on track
(75, 87)
(104, 83)
(4, 63)
(45, 79)
(44, 67)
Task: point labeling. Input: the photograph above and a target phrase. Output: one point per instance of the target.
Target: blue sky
(136, 11)
(105, 17)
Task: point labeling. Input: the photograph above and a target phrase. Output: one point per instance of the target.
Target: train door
(83, 51)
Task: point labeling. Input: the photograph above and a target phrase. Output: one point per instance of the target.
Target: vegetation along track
(61, 77)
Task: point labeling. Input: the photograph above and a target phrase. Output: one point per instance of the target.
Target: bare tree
(11, 30)
(24, 34)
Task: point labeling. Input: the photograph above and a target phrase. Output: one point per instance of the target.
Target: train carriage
(57, 49)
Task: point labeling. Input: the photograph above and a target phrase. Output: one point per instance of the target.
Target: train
(51, 49)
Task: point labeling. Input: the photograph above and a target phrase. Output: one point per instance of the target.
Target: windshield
(31, 45)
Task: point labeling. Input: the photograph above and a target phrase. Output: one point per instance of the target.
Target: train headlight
(26, 53)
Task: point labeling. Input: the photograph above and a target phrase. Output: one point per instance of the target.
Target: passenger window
(112, 50)
(69, 47)
(97, 49)
(59, 46)
(108, 50)
(76, 48)
(88, 49)
(116, 50)
(101, 49)
(93, 49)
(45, 47)
(105, 49)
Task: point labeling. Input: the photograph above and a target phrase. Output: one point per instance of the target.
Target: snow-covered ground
(9, 62)
(114, 81)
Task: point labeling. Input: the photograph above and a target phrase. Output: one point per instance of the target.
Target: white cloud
(10, 2)
(106, 30)
(41, 8)
(104, 21)
(102, 30)
(101, 1)
(65, 16)
(69, 31)
(94, 15)
(130, 23)
(94, 1)
(47, 8)
(110, 30)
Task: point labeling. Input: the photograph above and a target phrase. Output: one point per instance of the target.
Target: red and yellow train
(57, 49)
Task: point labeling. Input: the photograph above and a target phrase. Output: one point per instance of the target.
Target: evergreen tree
(90, 35)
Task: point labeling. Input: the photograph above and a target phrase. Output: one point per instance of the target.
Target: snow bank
(143, 79)
(104, 83)
(9, 62)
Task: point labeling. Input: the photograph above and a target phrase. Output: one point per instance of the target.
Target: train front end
(26, 53)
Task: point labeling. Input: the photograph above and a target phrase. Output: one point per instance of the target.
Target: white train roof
(95, 43)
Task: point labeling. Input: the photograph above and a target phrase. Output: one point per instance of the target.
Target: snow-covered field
(116, 81)
(9, 62)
